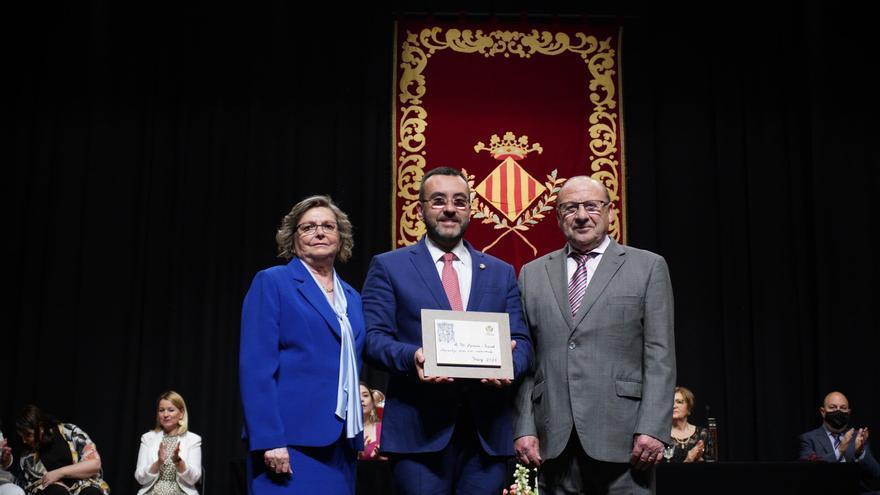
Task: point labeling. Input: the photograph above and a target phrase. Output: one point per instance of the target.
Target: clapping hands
(696, 453)
(861, 441)
(845, 441)
(175, 457)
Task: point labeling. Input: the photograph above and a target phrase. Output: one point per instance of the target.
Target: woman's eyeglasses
(312, 228)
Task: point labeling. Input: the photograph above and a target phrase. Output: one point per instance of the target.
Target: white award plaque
(466, 344)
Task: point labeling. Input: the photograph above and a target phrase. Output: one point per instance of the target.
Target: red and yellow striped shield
(510, 189)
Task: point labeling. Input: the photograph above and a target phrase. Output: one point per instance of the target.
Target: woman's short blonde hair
(287, 232)
(179, 403)
(688, 397)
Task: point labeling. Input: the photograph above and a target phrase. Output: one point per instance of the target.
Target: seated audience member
(7, 480)
(836, 441)
(170, 457)
(689, 441)
(61, 458)
(372, 426)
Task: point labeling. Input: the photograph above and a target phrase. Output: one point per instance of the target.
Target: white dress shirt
(592, 262)
(462, 266)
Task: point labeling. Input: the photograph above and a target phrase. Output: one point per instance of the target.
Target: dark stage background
(151, 152)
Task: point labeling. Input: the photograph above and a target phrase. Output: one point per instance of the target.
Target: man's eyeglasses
(439, 202)
(592, 207)
(312, 228)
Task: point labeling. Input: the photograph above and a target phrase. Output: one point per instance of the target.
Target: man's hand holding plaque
(419, 359)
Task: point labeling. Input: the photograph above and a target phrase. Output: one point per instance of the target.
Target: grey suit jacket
(609, 372)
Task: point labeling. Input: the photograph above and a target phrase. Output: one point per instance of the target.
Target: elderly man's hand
(527, 450)
(647, 452)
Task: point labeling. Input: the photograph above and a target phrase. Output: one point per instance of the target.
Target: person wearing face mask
(837, 441)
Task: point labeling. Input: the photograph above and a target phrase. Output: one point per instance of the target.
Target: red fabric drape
(519, 109)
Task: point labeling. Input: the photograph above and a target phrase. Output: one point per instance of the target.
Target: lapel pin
(482, 266)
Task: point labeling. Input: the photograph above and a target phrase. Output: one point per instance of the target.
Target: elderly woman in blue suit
(302, 336)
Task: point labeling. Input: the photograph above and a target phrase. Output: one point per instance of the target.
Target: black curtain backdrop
(152, 150)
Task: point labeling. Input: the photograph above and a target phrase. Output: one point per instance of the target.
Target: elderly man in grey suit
(597, 403)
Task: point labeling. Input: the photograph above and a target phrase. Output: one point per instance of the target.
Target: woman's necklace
(683, 442)
(328, 290)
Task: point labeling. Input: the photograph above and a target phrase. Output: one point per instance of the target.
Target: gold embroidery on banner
(509, 145)
(416, 50)
(411, 160)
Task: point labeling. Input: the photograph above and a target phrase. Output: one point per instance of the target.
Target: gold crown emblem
(510, 147)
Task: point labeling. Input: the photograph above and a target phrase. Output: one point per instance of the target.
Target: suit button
(571, 345)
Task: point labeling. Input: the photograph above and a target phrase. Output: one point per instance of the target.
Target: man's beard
(435, 235)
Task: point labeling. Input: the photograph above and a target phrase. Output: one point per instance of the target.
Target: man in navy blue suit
(442, 435)
(836, 441)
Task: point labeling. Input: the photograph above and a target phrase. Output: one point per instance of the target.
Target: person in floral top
(61, 458)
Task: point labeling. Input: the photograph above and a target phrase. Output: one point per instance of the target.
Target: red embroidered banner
(518, 110)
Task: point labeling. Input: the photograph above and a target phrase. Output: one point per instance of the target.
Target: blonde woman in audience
(170, 457)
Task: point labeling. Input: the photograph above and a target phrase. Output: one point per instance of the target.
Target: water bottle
(712, 447)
